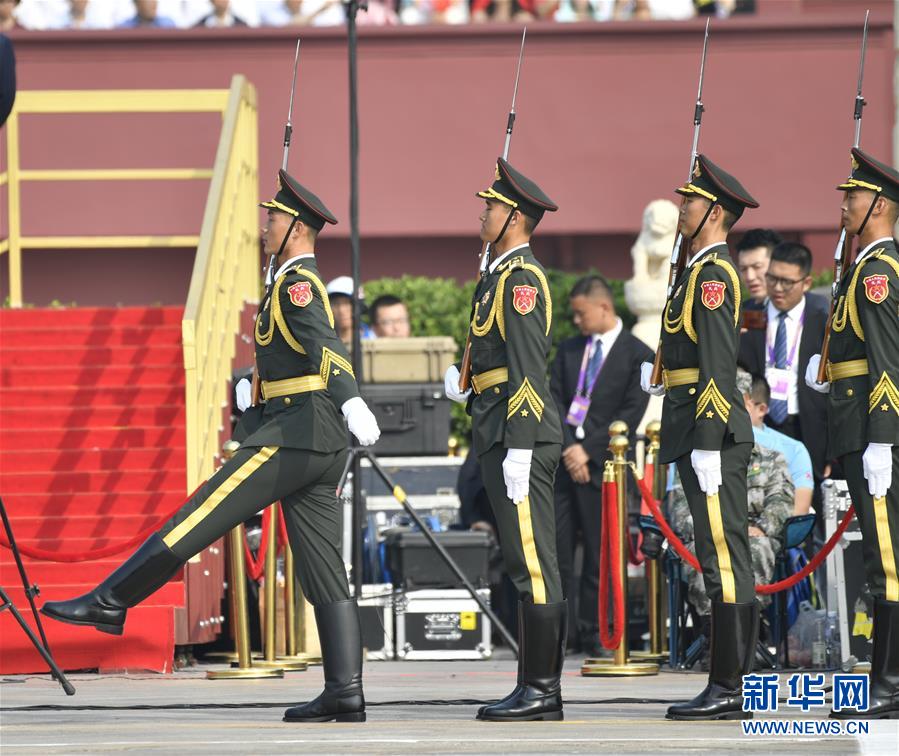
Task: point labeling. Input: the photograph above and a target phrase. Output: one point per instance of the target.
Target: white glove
(707, 466)
(646, 377)
(361, 421)
(517, 473)
(811, 376)
(451, 386)
(877, 464)
(243, 394)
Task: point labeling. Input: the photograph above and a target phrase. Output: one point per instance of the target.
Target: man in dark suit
(595, 380)
(794, 332)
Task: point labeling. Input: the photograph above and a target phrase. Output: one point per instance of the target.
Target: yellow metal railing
(225, 275)
(93, 101)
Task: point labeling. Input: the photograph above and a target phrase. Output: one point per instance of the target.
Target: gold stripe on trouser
(713, 506)
(216, 497)
(886, 548)
(529, 547)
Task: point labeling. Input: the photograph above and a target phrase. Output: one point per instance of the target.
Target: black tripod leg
(400, 496)
(57, 672)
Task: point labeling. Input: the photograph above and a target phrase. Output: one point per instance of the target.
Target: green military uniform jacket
(864, 408)
(295, 338)
(701, 334)
(511, 328)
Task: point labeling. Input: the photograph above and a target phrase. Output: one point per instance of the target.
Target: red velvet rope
(609, 559)
(781, 585)
(255, 567)
(33, 552)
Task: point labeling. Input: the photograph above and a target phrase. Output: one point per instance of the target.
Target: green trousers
(879, 522)
(527, 531)
(304, 482)
(721, 526)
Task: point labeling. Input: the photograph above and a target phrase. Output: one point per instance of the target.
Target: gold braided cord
(331, 358)
(712, 396)
(859, 184)
(525, 395)
(264, 339)
(884, 390)
(734, 279)
(685, 319)
(483, 330)
(850, 307)
(693, 189)
(322, 291)
(497, 315)
(275, 205)
(493, 194)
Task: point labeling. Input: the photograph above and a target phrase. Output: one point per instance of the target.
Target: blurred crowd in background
(126, 14)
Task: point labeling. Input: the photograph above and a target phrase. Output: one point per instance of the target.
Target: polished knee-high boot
(543, 630)
(105, 607)
(735, 632)
(340, 635)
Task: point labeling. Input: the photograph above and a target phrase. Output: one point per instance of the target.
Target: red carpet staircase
(91, 453)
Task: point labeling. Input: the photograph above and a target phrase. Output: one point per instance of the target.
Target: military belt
(682, 377)
(271, 389)
(483, 381)
(836, 371)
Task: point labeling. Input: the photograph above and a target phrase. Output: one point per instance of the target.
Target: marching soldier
(863, 406)
(517, 435)
(294, 448)
(707, 432)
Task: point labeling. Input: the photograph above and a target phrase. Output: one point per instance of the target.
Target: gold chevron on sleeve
(525, 395)
(884, 395)
(332, 364)
(712, 399)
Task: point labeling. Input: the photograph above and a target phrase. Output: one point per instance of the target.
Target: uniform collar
(291, 262)
(495, 264)
(871, 246)
(702, 252)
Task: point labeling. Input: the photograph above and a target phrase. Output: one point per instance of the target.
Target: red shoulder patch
(713, 294)
(877, 287)
(300, 293)
(524, 299)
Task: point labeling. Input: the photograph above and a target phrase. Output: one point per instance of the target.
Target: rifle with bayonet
(270, 268)
(679, 251)
(841, 254)
(465, 367)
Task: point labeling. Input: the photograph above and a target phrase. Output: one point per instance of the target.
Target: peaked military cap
(719, 186)
(869, 173)
(516, 190)
(295, 199)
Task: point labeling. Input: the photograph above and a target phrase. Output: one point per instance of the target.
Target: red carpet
(91, 454)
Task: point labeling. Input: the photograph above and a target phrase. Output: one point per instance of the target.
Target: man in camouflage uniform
(293, 450)
(769, 492)
(706, 429)
(863, 405)
(517, 435)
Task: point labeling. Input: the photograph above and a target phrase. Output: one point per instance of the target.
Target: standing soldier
(863, 406)
(706, 430)
(517, 435)
(294, 450)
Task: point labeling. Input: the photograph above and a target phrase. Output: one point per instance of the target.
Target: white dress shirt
(794, 334)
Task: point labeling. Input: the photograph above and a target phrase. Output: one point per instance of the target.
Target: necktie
(594, 363)
(778, 408)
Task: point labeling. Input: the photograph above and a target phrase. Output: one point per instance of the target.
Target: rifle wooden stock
(465, 367)
(839, 265)
(676, 269)
(255, 386)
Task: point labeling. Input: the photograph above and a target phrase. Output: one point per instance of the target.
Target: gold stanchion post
(270, 623)
(294, 615)
(654, 578)
(620, 665)
(240, 619)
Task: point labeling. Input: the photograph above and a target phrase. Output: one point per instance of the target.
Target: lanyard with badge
(580, 404)
(781, 380)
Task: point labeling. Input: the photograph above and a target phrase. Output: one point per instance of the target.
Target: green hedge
(440, 307)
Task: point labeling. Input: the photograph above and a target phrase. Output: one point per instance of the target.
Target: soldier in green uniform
(863, 405)
(293, 449)
(517, 435)
(706, 430)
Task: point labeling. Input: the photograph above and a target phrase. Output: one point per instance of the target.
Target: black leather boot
(883, 696)
(543, 630)
(735, 632)
(105, 607)
(340, 635)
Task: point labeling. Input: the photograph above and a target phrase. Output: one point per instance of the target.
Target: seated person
(770, 496)
(756, 395)
(389, 317)
(340, 296)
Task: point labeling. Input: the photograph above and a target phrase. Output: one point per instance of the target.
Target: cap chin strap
(704, 219)
(503, 229)
(868, 214)
(270, 272)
